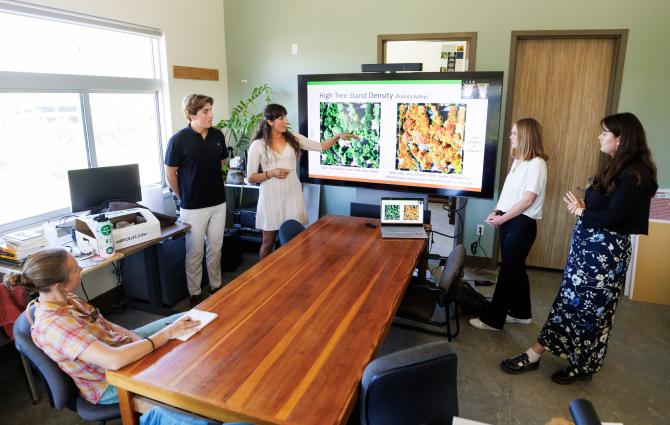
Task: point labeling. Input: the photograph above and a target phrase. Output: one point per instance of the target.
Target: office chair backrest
(357, 209)
(288, 230)
(61, 388)
(413, 386)
(453, 268)
(583, 412)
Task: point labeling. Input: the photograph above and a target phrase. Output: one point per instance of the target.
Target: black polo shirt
(199, 162)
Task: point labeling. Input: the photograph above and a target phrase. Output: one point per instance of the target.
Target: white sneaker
(510, 319)
(477, 323)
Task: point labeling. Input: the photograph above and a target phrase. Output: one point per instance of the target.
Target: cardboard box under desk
(143, 226)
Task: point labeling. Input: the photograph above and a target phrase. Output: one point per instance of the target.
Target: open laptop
(402, 218)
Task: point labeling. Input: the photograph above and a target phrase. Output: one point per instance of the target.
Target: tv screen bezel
(493, 121)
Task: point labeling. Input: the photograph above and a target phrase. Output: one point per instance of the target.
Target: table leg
(422, 264)
(128, 414)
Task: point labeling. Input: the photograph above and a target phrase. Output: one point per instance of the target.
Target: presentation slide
(419, 133)
(401, 211)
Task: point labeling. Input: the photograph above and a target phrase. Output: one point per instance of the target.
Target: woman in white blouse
(272, 163)
(519, 205)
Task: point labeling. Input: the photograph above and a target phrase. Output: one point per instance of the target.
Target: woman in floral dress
(616, 205)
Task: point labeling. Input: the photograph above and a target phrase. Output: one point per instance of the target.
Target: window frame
(84, 85)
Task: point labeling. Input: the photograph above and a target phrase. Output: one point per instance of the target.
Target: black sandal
(519, 364)
(569, 375)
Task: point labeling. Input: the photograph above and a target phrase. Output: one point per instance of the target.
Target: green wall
(338, 36)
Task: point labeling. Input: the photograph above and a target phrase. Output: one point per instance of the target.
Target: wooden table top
(294, 332)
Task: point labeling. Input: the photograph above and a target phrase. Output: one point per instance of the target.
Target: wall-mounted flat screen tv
(426, 132)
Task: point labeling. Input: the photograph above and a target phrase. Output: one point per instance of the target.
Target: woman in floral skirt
(616, 205)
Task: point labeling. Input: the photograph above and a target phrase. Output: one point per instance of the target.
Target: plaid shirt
(64, 332)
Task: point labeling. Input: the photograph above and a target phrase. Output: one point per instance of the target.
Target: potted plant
(244, 119)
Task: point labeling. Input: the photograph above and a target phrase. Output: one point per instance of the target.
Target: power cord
(475, 247)
(458, 211)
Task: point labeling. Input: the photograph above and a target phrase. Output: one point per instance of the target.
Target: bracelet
(153, 347)
(266, 175)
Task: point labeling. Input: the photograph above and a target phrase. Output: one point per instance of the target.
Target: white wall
(193, 35)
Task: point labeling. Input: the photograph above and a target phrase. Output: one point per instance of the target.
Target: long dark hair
(632, 154)
(271, 113)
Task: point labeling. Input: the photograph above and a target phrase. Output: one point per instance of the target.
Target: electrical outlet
(480, 229)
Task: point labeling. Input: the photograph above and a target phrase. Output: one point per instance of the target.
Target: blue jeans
(110, 396)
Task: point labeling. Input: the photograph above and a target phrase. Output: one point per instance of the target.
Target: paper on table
(461, 421)
(205, 317)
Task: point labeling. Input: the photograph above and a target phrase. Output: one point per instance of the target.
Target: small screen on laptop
(402, 211)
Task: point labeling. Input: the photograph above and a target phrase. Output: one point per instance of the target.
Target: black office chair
(288, 230)
(420, 300)
(357, 209)
(583, 412)
(413, 386)
(60, 387)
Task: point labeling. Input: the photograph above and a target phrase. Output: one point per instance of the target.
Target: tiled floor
(632, 388)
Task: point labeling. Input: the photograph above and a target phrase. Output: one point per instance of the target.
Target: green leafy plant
(244, 119)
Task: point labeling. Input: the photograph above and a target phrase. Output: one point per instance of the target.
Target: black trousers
(512, 293)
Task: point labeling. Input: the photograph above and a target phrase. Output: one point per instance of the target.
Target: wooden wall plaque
(191, 73)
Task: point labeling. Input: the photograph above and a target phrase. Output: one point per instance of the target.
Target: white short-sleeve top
(278, 199)
(525, 176)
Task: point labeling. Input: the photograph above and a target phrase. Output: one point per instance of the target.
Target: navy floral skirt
(580, 320)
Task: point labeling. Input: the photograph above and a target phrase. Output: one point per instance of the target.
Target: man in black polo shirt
(193, 164)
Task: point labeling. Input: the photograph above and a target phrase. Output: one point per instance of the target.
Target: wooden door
(568, 84)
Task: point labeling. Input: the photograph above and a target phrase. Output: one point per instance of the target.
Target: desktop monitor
(90, 187)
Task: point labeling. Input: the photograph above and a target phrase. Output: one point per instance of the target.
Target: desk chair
(60, 387)
(288, 230)
(583, 412)
(413, 386)
(357, 209)
(421, 299)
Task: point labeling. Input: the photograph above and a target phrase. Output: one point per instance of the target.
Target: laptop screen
(402, 211)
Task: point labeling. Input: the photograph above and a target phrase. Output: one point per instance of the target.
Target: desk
(294, 332)
(174, 230)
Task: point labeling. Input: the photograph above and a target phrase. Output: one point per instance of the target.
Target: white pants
(207, 222)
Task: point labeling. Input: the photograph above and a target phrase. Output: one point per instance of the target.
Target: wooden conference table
(293, 336)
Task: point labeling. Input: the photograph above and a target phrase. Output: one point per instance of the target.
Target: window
(75, 92)
(70, 48)
(126, 130)
(42, 138)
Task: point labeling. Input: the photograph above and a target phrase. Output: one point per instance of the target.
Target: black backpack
(471, 301)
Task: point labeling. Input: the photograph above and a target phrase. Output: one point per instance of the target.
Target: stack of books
(20, 245)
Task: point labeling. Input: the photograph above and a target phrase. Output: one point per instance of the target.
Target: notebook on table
(205, 317)
(402, 218)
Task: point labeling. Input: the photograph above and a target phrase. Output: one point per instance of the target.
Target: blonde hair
(41, 271)
(529, 138)
(192, 103)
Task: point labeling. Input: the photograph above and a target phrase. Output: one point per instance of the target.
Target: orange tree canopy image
(430, 137)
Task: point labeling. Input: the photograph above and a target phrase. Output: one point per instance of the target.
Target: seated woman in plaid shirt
(74, 334)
